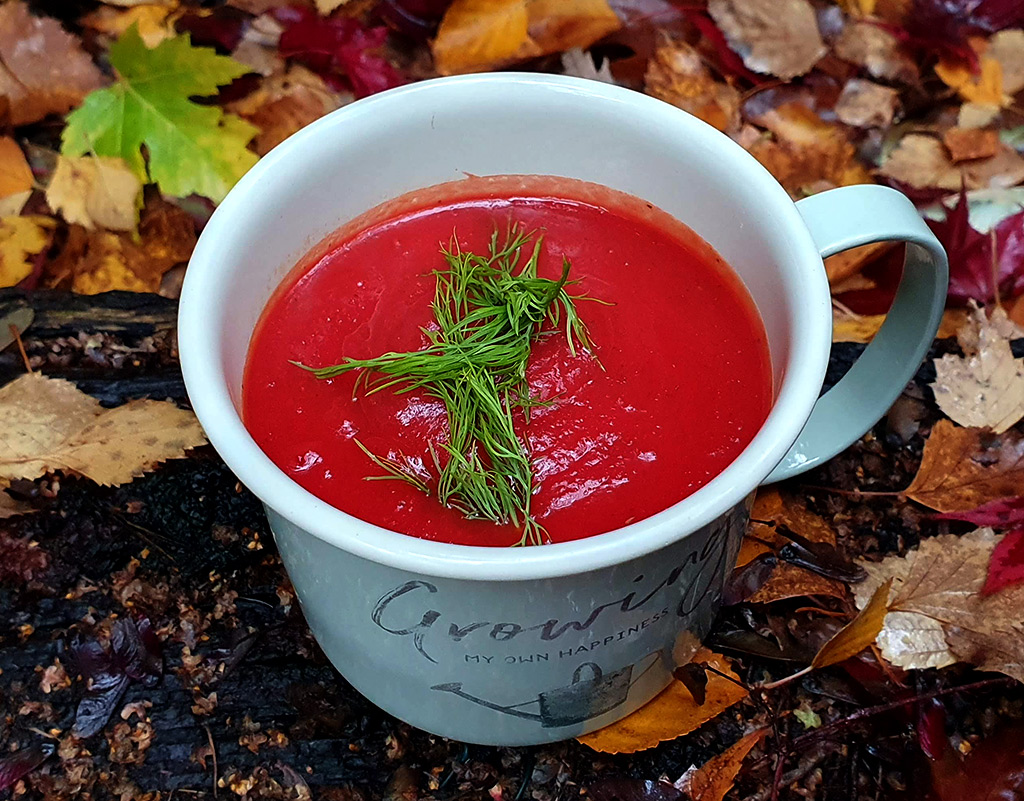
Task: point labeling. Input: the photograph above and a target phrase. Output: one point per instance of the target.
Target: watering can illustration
(591, 693)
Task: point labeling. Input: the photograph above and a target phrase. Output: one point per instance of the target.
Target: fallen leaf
(715, 778)
(155, 22)
(21, 238)
(983, 388)
(993, 770)
(791, 581)
(1000, 512)
(859, 633)
(772, 505)
(325, 7)
(482, 34)
(946, 27)
(15, 178)
(9, 506)
(47, 424)
(962, 468)
(95, 191)
(580, 64)
(677, 75)
(43, 70)
(965, 144)
(856, 327)
(865, 104)
(920, 161)
(1007, 49)
(558, 25)
(15, 766)
(877, 50)
(848, 263)
(984, 86)
(625, 788)
(671, 714)
(937, 614)
(285, 103)
(1006, 567)
(192, 148)
(342, 50)
(776, 37)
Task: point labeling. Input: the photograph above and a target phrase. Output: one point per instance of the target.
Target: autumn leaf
(984, 86)
(671, 714)
(557, 25)
(21, 238)
(791, 581)
(962, 468)
(95, 191)
(15, 178)
(47, 424)
(966, 144)
(865, 104)
(43, 70)
(715, 778)
(1006, 567)
(774, 506)
(1001, 512)
(859, 633)
(676, 74)
(920, 161)
(776, 37)
(877, 50)
(155, 23)
(993, 770)
(937, 613)
(192, 148)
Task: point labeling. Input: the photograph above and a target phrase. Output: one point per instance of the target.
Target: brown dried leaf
(9, 507)
(855, 328)
(865, 104)
(93, 191)
(1007, 49)
(877, 50)
(985, 387)
(42, 68)
(785, 510)
(671, 714)
(792, 581)
(859, 633)
(715, 778)
(47, 424)
(965, 144)
(677, 74)
(777, 37)
(962, 468)
(938, 616)
(921, 161)
(21, 238)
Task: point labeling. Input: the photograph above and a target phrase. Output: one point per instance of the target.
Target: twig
(21, 346)
(772, 685)
(213, 754)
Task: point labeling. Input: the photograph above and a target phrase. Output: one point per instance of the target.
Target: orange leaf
(715, 778)
(671, 714)
(985, 88)
(791, 581)
(782, 509)
(15, 174)
(482, 34)
(962, 468)
(859, 633)
(559, 25)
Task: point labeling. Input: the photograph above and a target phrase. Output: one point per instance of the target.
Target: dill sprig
(489, 310)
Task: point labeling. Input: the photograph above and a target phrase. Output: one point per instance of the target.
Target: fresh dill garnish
(488, 310)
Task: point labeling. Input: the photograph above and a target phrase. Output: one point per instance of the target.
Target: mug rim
(209, 393)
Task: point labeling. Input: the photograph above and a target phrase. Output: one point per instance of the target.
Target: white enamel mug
(516, 646)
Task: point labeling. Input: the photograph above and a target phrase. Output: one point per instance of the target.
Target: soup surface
(683, 382)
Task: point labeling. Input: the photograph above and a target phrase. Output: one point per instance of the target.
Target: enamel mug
(516, 646)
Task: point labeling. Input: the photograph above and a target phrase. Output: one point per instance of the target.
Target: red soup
(681, 382)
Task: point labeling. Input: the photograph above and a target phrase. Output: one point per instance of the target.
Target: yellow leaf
(985, 88)
(482, 34)
(109, 270)
(859, 8)
(20, 239)
(858, 328)
(95, 191)
(859, 633)
(962, 468)
(559, 25)
(155, 22)
(716, 777)
(671, 714)
(47, 424)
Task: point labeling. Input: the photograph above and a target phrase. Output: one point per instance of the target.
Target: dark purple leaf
(943, 26)
(1000, 512)
(99, 703)
(746, 580)
(342, 50)
(622, 788)
(22, 762)
(748, 643)
(931, 728)
(221, 28)
(819, 557)
(694, 678)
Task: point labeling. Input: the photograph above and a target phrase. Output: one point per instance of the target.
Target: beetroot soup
(676, 385)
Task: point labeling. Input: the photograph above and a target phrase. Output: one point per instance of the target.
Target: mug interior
(438, 131)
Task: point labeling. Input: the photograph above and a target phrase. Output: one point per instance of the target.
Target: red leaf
(1000, 512)
(1006, 567)
(21, 763)
(943, 26)
(222, 28)
(931, 729)
(994, 769)
(339, 49)
(971, 255)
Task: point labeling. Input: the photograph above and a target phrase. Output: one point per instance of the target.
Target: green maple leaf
(191, 148)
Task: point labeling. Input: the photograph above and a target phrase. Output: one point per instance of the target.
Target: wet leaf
(715, 778)
(17, 765)
(677, 74)
(962, 468)
(341, 50)
(780, 509)
(201, 150)
(983, 85)
(1000, 512)
(671, 714)
(859, 633)
(822, 558)
(865, 104)
(965, 144)
(937, 612)
(775, 37)
(984, 387)
(21, 239)
(95, 191)
(791, 581)
(1006, 567)
(48, 424)
(694, 678)
(43, 70)
(749, 643)
(748, 578)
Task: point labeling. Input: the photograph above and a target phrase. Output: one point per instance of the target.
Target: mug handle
(844, 218)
